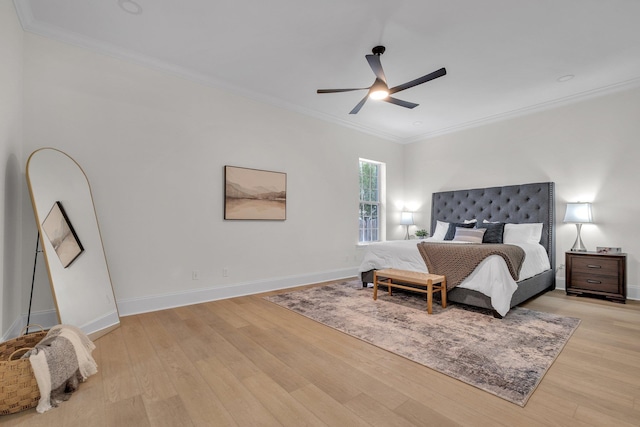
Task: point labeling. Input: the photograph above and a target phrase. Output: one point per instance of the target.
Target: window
(371, 201)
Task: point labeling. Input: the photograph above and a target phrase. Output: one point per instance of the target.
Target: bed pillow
(473, 235)
(494, 233)
(451, 232)
(522, 233)
(441, 230)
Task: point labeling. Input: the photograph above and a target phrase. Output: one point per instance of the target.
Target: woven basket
(18, 387)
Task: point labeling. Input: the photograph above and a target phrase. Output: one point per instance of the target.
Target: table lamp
(406, 218)
(578, 213)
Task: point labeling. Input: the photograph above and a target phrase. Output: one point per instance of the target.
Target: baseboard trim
(131, 306)
(128, 307)
(47, 319)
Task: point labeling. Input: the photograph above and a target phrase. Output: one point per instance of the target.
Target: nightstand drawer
(595, 265)
(593, 282)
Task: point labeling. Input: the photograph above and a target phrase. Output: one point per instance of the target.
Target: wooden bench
(395, 278)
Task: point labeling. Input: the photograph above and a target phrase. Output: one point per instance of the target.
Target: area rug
(506, 357)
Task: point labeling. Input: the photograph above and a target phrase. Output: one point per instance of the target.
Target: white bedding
(491, 277)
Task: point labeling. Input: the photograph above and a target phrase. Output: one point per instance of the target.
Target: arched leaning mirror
(71, 241)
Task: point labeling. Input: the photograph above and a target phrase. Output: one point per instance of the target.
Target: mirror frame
(82, 290)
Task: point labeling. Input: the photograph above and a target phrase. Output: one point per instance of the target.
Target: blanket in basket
(63, 352)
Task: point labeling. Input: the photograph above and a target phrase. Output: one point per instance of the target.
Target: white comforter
(491, 277)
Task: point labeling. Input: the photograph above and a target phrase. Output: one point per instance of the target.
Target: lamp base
(578, 246)
(406, 237)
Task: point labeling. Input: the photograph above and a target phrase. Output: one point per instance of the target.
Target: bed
(514, 204)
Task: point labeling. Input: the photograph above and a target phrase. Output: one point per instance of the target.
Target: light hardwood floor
(248, 362)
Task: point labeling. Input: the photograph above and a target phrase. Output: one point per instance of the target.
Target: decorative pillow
(494, 232)
(522, 233)
(473, 235)
(441, 230)
(470, 221)
(452, 229)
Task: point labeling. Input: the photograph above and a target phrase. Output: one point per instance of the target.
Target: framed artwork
(254, 194)
(61, 234)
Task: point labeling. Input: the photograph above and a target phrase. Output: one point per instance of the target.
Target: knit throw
(457, 261)
(64, 352)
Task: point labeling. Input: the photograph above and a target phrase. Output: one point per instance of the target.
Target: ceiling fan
(379, 89)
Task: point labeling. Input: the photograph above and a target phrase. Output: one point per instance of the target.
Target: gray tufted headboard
(512, 203)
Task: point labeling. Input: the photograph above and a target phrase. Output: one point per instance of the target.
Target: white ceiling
(503, 57)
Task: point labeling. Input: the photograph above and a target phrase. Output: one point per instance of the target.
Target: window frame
(367, 233)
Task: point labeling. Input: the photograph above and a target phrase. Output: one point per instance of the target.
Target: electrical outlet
(195, 275)
(225, 272)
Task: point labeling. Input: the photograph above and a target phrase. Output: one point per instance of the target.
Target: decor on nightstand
(422, 233)
(578, 213)
(406, 218)
(608, 250)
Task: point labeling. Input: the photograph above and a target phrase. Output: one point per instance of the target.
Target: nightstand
(594, 274)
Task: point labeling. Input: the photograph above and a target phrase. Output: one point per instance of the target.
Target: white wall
(589, 149)
(11, 304)
(154, 146)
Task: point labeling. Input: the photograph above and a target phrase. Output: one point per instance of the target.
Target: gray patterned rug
(506, 357)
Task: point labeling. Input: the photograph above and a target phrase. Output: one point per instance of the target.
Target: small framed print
(608, 250)
(61, 234)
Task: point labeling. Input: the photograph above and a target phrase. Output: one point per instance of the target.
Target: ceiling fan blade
(359, 106)
(439, 73)
(400, 102)
(376, 66)
(341, 90)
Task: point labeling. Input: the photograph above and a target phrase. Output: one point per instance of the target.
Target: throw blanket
(63, 353)
(457, 262)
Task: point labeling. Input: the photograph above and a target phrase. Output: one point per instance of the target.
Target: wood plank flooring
(248, 362)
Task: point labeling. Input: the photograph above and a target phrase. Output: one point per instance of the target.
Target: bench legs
(442, 288)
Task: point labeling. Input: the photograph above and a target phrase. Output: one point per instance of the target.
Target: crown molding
(548, 105)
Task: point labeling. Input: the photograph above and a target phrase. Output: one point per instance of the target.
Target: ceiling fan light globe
(379, 94)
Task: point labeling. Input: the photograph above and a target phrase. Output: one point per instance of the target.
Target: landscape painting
(61, 234)
(254, 194)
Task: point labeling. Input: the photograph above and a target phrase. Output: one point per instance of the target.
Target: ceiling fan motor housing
(378, 50)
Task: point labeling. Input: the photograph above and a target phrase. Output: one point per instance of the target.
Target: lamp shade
(406, 218)
(579, 213)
